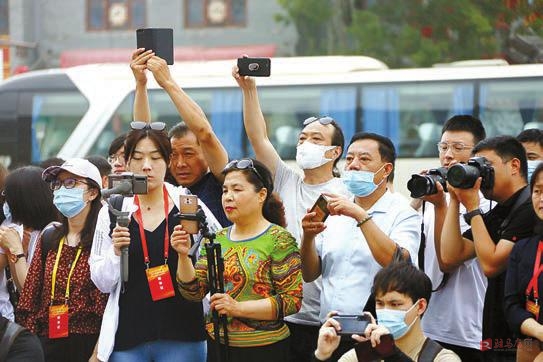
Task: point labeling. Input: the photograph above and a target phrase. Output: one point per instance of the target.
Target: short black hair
(116, 144)
(531, 135)
(536, 173)
(101, 164)
(30, 198)
(404, 278)
(387, 151)
(467, 123)
(506, 147)
(179, 130)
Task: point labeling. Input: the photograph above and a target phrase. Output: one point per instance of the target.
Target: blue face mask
(394, 321)
(532, 164)
(7, 211)
(360, 183)
(69, 201)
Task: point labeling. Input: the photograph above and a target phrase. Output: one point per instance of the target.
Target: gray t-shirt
(297, 197)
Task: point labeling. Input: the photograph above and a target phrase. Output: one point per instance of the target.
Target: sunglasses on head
(155, 126)
(322, 120)
(243, 164)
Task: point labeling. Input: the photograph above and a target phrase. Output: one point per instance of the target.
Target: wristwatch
(469, 215)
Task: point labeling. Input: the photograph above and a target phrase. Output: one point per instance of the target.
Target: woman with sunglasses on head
(146, 319)
(59, 301)
(262, 268)
(28, 207)
(524, 282)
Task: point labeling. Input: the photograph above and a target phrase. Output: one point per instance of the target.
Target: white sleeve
(104, 264)
(406, 232)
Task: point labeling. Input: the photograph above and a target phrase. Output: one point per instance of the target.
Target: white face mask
(310, 155)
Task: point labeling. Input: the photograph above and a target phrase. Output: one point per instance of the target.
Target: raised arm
(311, 262)
(194, 117)
(138, 65)
(254, 122)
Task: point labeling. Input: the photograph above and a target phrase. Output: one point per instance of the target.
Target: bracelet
(364, 220)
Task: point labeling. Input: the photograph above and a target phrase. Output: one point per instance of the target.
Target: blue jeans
(163, 351)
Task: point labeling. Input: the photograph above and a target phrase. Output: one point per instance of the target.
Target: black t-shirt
(520, 226)
(142, 320)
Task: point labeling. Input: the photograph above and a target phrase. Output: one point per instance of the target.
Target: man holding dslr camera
(492, 235)
(461, 329)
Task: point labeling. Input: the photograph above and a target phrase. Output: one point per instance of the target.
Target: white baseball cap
(78, 167)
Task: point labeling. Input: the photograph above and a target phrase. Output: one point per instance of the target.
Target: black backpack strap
(11, 331)
(49, 238)
(524, 195)
(430, 350)
(117, 202)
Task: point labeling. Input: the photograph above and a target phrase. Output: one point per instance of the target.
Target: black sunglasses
(155, 126)
(322, 120)
(243, 164)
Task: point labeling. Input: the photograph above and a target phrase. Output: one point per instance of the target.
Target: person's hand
(139, 64)
(121, 238)
(340, 205)
(329, 339)
(373, 333)
(467, 197)
(438, 199)
(244, 81)
(180, 241)
(224, 304)
(310, 226)
(10, 240)
(160, 70)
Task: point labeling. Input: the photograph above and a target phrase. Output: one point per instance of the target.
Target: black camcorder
(422, 185)
(126, 184)
(464, 176)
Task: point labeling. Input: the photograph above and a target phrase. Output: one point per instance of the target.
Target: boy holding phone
(402, 293)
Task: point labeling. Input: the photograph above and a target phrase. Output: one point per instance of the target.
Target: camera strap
(523, 197)
(422, 246)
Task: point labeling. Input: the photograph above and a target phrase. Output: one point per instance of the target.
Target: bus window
(412, 115)
(507, 107)
(54, 116)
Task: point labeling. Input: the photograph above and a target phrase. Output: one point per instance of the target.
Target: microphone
(123, 188)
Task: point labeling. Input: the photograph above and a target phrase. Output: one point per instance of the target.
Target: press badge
(58, 321)
(160, 282)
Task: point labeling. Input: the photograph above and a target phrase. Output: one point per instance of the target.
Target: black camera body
(422, 185)
(464, 176)
(127, 184)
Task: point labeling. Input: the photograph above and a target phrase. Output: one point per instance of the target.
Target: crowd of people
(75, 285)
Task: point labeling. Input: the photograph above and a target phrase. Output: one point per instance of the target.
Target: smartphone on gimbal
(188, 204)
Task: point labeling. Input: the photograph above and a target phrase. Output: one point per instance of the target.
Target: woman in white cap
(59, 301)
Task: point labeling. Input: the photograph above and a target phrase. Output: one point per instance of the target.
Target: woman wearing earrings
(262, 272)
(149, 320)
(59, 301)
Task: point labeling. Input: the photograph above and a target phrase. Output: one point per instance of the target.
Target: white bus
(78, 111)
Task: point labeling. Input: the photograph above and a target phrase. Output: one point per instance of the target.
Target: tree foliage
(411, 33)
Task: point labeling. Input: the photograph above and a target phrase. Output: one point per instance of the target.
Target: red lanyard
(538, 268)
(139, 219)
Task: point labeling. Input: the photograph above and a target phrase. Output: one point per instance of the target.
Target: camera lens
(421, 185)
(462, 176)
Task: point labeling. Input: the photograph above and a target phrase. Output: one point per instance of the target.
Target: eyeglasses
(68, 183)
(155, 126)
(243, 164)
(114, 158)
(322, 120)
(456, 147)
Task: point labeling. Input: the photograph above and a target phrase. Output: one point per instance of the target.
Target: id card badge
(160, 282)
(533, 307)
(58, 321)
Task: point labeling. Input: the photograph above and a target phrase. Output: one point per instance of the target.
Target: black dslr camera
(421, 185)
(464, 176)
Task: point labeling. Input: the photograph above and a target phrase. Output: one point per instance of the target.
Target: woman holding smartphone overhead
(262, 272)
(149, 320)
